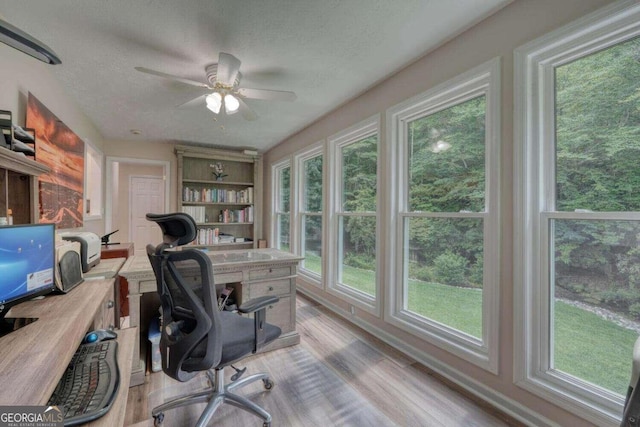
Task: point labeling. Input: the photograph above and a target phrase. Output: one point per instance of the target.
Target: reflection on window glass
(312, 244)
(444, 262)
(447, 156)
(358, 261)
(313, 185)
(285, 189)
(359, 168)
(598, 131)
(283, 236)
(596, 278)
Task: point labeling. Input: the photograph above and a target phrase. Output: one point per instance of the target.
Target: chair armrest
(256, 304)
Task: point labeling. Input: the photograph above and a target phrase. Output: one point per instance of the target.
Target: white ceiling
(326, 51)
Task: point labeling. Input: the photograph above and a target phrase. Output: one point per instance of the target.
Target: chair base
(216, 395)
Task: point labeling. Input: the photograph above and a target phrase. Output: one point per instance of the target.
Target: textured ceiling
(326, 51)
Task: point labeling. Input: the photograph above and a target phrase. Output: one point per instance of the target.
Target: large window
(282, 208)
(354, 226)
(310, 216)
(447, 218)
(579, 137)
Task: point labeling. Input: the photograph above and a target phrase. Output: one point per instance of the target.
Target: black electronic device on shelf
(105, 239)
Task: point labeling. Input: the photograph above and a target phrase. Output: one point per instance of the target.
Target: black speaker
(70, 271)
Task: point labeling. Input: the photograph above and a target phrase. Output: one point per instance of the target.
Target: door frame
(110, 165)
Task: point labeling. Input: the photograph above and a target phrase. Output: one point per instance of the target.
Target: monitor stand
(12, 324)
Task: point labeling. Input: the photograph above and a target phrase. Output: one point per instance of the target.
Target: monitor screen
(27, 259)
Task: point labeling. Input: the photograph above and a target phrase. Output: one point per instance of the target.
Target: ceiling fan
(224, 88)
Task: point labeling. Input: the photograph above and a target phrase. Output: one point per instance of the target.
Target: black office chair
(631, 412)
(196, 335)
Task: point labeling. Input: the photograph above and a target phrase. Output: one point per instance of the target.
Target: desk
(33, 358)
(119, 250)
(252, 273)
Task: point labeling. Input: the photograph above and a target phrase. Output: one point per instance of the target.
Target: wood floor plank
(339, 375)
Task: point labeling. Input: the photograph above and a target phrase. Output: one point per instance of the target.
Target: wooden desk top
(33, 358)
(137, 265)
(107, 268)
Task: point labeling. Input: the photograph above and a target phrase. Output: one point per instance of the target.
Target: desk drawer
(268, 273)
(279, 314)
(273, 287)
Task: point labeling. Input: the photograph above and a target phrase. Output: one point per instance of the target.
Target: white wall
(21, 74)
(497, 36)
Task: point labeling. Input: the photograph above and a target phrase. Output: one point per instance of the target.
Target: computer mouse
(100, 335)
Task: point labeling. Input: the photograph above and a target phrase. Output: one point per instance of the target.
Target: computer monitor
(27, 260)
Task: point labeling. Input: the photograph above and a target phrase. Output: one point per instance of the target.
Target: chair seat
(237, 337)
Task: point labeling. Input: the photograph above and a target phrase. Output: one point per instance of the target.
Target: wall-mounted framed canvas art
(61, 190)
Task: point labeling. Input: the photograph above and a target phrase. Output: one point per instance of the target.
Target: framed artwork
(61, 190)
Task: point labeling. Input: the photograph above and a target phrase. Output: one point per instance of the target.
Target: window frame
(315, 150)
(335, 143)
(276, 172)
(534, 197)
(481, 80)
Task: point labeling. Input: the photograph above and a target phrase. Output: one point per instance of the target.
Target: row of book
(236, 215)
(196, 212)
(199, 214)
(217, 195)
(212, 236)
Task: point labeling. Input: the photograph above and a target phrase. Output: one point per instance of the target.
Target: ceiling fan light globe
(231, 104)
(214, 102)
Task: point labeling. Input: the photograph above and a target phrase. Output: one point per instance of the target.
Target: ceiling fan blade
(169, 76)
(199, 100)
(246, 111)
(270, 95)
(228, 67)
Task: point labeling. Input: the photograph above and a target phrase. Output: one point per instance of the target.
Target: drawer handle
(110, 304)
(271, 270)
(270, 307)
(270, 288)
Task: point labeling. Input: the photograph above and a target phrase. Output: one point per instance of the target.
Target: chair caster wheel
(268, 385)
(266, 424)
(158, 419)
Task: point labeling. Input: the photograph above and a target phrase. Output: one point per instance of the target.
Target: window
(310, 198)
(579, 228)
(93, 182)
(447, 218)
(354, 225)
(282, 186)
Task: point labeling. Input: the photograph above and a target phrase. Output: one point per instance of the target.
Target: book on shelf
(217, 195)
(196, 212)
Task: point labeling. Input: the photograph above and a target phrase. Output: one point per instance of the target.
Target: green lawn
(587, 346)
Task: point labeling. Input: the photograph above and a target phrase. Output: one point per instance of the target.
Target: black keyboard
(89, 386)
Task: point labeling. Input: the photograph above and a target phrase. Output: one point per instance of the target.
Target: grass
(586, 346)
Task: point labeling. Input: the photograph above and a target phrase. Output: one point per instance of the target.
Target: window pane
(446, 161)
(444, 262)
(358, 260)
(312, 243)
(285, 189)
(313, 185)
(598, 131)
(283, 232)
(359, 167)
(596, 269)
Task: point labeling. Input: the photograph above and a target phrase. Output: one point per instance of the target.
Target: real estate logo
(31, 416)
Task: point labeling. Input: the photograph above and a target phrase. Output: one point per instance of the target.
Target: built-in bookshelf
(221, 190)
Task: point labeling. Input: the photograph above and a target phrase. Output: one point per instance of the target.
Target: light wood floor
(339, 375)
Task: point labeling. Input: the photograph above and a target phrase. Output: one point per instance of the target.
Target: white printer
(89, 247)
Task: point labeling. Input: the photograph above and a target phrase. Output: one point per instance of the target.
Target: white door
(146, 195)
